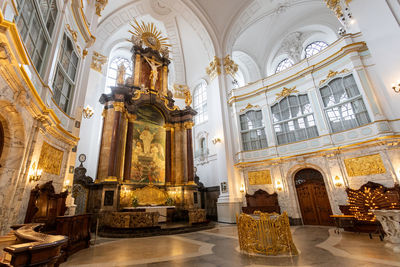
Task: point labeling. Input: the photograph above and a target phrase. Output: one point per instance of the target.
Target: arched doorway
(313, 198)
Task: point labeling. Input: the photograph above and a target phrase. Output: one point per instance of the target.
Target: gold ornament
(269, 234)
(260, 177)
(150, 36)
(365, 165)
(286, 92)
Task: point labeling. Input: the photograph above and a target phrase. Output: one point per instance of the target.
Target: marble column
(168, 153)
(189, 148)
(128, 147)
(112, 160)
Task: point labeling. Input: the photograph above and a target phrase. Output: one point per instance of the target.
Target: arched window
(113, 69)
(293, 119)
(200, 103)
(64, 80)
(343, 104)
(284, 64)
(35, 22)
(315, 48)
(252, 130)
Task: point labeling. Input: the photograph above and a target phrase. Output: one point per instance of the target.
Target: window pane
(315, 48)
(294, 126)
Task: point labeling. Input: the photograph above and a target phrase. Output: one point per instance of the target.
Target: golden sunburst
(149, 34)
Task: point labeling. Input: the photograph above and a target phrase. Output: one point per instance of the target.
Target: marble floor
(318, 246)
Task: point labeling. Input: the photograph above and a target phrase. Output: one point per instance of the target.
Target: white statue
(154, 72)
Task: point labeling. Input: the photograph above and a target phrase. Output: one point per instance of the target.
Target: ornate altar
(265, 233)
(146, 153)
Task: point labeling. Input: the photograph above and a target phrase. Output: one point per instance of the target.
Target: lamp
(279, 186)
(242, 189)
(338, 182)
(216, 140)
(34, 174)
(396, 87)
(67, 186)
(88, 112)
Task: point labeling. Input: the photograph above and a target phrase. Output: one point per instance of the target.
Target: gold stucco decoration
(73, 33)
(214, 69)
(365, 165)
(100, 5)
(50, 159)
(332, 74)
(250, 106)
(230, 67)
(98, 60)
(267, 234)
(179, 90)
(260, 177)
(286, 92)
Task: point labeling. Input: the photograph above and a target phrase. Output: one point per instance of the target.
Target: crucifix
(154, 72)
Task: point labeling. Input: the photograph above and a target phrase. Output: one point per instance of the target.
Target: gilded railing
(265, 233)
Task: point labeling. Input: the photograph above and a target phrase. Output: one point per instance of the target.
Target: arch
(247, 65)
(312, 197)
(10, 160)
(121, 17)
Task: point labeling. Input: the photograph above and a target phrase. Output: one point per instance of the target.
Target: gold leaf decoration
(214, 69)
(365, 165)
(285, 92)
(260, 177)
(50, 159)
(150, 35)
(332, 74)
(249, 106)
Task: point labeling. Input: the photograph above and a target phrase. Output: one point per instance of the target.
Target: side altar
(146, 153)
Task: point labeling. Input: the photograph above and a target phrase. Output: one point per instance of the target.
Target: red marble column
(128, 147)
(189, 147)
(168, 153)
(113, 159)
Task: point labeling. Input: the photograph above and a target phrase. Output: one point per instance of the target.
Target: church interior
(199, 133)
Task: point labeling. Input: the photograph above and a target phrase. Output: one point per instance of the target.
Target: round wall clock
(82, 158)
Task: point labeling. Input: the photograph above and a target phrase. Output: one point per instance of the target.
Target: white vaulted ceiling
(200, 29)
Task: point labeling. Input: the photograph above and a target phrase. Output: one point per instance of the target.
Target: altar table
(162, 210)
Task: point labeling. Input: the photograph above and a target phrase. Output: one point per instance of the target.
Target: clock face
(82, 157)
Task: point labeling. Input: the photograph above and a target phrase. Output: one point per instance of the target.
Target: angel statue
(188, 97)
(154, 72)
(121, 74)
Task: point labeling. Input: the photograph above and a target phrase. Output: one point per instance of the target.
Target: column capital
(168, 126)
(188, 124)
(119, 106)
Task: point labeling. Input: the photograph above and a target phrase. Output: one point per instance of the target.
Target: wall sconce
(67, 186)
(279, 186)
(216, 140)
(34, 174)
(242, 189)
(396, 87)
(88, 112)
(338, 182)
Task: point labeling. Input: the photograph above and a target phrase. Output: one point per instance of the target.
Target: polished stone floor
(318, 246)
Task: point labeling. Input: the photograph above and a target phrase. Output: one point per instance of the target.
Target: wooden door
(313, 198)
